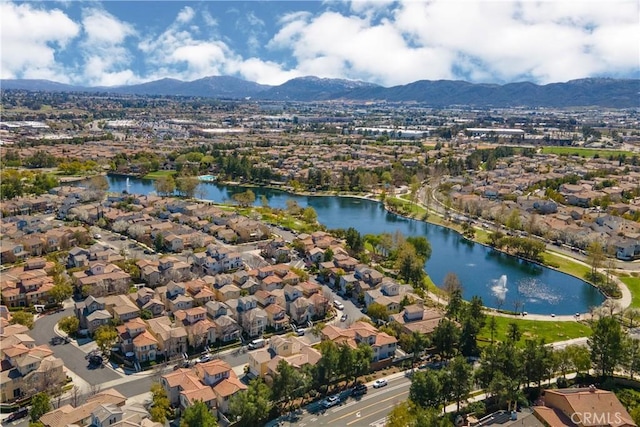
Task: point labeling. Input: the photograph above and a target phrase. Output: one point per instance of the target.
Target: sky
(110, 43)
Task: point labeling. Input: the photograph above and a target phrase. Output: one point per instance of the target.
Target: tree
(445, 338)
(454, 308)
(378, 311)
(69, 324)
(328, 363)
(451, 283)
(421, 245)
(198, 415)
(458, 379)
(536, 359)
(607, 345)
(288, 384)
(513, 332)
(105, 336)
(354, 240)
(245, 199)
(158, 242)
(513, 221)
(328, 255)
(188, 186)
(252, 407)
(414, 344)
(161, 407)
(165, 185)
(61, 291)
(40, 405)
(22, 318)
(580, 357)
(426, 389)
(309, 215)
(408, 414)
(410, 266)
(595, 257)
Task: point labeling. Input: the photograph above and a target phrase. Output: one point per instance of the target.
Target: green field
(566, 265)
(549, 331)
(159, 174)
(584, 152)
(633, 283)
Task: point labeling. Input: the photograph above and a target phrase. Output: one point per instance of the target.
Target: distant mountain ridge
(598, 92)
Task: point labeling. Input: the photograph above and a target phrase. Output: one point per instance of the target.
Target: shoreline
(371, 197)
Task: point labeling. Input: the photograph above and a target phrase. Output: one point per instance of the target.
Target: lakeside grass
(584, 152)
(565, 265)
(158, 174)
(537, 329)
(633, 283)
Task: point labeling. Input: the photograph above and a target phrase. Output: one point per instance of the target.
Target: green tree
(513, 221)
(105, 336)
(513, 332)
(458, 379)
(410, 266)
(245, 199)
(252, 407)
(426, 389)
(328, 363)
(161, 407)
(40, 405)
(165, 185)
(69, 324)
(421, 245)
(354, 240)
(187, 186)
(288, 384)
(414, 343)
(455, 305)
(445, 338)
(309, 215)
(158, 242)
(607, 346)
(22, 318)
(378, 311)
(536, 359)
(61, 291)
(328, 255)
(198, 415)
(595, 257)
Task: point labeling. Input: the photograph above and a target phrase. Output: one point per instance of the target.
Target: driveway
(71, 354)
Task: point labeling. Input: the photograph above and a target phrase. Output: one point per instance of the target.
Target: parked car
(14, 416)
(331, 401)
(257, 343)
(205, 358)
(380, 383)
(95, 360)
(359, 390)
(56, 340)
(300, 332)
(337, 304)
(343, 318)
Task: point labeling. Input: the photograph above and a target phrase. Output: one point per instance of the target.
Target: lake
(503, 281)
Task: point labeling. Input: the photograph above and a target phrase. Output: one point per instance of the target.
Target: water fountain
(499, 288)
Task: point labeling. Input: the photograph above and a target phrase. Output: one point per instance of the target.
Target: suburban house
(582, 407)
(83, 414)
(383, 344)
(293, 350)
(172, 339)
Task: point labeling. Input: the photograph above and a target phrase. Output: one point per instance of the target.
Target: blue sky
(381, 41)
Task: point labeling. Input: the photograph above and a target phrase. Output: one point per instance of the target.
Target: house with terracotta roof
(383, 344)
(82, 415)
(582, 407)
(417, 318)
(27, 368)
(172, 339)
(293, 350)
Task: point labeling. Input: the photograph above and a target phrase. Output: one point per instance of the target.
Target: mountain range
(596, 92)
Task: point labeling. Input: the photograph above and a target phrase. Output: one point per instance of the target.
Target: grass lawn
(584, 152)
(549, 331)
(633, 283)
(566, 265)
(158, 174)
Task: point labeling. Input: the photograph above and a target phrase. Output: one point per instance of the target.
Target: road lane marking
(369, 406)
(375, 412)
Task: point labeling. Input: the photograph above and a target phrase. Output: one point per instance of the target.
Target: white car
(331, 401)
(380, 383)
(337, 304)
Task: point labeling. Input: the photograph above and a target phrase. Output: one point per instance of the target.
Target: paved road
(73, 357)
(368, 410)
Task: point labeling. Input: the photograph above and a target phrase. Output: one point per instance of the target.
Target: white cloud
(30, 39)
(106, 57)
(185, 15)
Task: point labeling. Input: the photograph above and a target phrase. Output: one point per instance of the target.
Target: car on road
(331, 401)
(97, 236)
(205, 358)
(56, 340)
(300, 332)
(123, 237)
(15, 416)
(337, 304)
(95, 360)
(343, 318)
(380, 383)
(359, 390)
